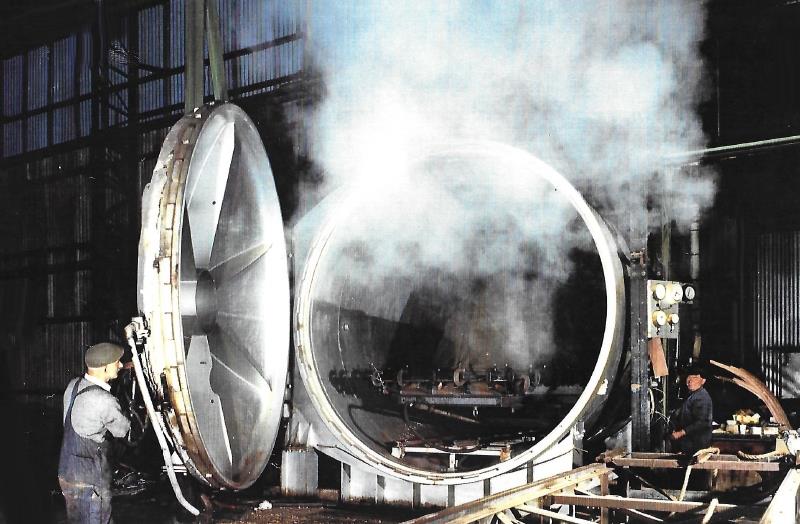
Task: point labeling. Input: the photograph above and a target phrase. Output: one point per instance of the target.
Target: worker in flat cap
(692, 424)
(92, 415)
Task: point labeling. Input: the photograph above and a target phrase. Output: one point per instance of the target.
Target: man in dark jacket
(693, 421)
(91, 414)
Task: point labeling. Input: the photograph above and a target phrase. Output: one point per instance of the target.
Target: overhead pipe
(732, 150)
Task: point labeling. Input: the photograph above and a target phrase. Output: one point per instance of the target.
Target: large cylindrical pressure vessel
(453, 319)
(457, 318)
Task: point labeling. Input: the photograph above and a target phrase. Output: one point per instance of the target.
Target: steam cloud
(600, 90)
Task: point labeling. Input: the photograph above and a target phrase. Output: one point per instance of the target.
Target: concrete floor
(159, 507)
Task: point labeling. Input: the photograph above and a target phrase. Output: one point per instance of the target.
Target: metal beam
(640, 372)
(215, 57)
(731, 150)
(193, 51)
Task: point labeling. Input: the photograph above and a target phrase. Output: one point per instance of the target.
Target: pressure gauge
(674, 292)
(659, 291)
(659, 318)
(689, 292)
(673, 319)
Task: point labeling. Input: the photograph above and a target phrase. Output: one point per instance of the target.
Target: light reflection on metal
(214, 287)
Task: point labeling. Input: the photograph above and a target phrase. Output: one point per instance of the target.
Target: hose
(134, 415)
(157, 423)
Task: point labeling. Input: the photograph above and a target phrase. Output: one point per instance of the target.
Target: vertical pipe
(193, 54)
(215, 55)
(670, 347)
(694, 251)
(694, 273)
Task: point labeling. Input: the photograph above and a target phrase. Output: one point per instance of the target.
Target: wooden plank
(631, 503)
(717, 463)
(675, 456)
(784, 506)
(607, 456)
(710, 511)
(491, 505)
(552, 514)
(604, 492)
(639, 516)
(505, 519)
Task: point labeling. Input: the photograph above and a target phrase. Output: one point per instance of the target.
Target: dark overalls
(84, 472)
(695, 417)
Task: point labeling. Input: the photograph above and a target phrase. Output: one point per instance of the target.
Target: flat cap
(102, 354)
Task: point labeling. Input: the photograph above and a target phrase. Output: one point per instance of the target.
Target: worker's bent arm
(115, 420)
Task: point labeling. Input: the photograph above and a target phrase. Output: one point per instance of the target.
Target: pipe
(694, 251)
(731, 150)
(158, 428)
(694, 272)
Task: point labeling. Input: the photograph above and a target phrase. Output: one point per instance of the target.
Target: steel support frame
(640, 372)
(638, 231)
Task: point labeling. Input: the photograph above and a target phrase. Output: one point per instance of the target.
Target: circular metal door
(213, 284)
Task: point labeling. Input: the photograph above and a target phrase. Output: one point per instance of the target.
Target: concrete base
(299, 472)
(363, 485)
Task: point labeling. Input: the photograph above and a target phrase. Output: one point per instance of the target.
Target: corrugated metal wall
(46, 91)
(70, 189)
(776, 310)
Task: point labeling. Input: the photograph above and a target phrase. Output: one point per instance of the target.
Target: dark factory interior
(402, 323)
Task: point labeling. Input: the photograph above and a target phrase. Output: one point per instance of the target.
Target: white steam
(600, 90)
